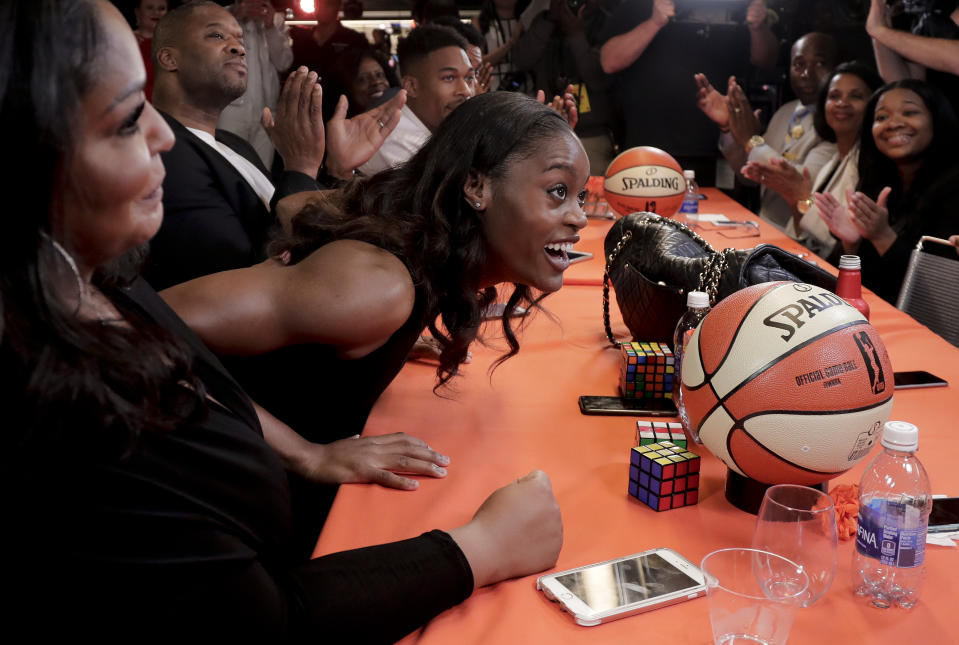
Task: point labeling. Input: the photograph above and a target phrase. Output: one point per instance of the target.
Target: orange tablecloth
(525, 416)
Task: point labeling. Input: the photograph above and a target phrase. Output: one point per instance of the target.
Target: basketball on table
(786, 383)
(644, 179)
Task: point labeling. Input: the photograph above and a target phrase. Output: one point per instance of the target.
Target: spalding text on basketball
(791, 317)
(632, 183)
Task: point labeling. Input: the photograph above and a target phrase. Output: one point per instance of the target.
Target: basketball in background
(644, 179)
(786, 383)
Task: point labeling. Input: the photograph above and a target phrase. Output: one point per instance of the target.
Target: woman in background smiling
(908, 183)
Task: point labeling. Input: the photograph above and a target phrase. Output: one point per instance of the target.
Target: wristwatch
(754, 142)
(804, 205)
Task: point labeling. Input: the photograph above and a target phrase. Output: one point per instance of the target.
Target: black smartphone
(621, 406)
(920, 378)
(945, 515)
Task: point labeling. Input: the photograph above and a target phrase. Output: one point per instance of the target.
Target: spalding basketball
(786, 383)
(644, 179)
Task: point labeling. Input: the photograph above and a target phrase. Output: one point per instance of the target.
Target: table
(525, 415)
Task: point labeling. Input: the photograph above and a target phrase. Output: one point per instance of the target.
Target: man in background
(790, 132)
(438, 77)
(268, 54)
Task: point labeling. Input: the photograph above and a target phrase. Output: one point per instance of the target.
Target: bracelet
(804, 205)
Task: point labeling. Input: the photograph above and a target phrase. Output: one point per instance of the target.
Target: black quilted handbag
(652, 262)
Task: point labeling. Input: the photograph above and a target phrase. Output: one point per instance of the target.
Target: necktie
(795, 130)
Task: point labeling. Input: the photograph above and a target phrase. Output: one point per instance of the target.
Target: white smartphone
(605, 591)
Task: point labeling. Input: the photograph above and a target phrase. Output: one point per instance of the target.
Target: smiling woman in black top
(908, 183)
(141, 500)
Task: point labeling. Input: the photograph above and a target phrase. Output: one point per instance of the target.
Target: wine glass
(799, 523)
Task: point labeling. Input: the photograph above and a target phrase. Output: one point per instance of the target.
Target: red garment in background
(145, 46)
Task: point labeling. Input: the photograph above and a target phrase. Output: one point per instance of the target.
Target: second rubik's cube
(648, 432)
(664, 476)
(647, 371)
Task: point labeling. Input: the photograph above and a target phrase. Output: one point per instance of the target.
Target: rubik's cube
(647, 371)
(664, 476)
(648, 432)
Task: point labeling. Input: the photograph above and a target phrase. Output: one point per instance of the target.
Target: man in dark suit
(218, 198)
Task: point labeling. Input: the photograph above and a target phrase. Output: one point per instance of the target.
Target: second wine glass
(799, 523)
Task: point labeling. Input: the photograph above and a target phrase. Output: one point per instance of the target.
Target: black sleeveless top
(319, 394)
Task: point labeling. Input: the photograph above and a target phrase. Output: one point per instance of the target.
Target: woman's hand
(838, 219)
(517, 531)
(781, 176)
(872, 218)
(377, 460)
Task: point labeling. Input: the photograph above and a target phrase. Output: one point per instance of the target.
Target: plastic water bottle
(894, 504)
(849, 284)
(697, 303)
(690, 205)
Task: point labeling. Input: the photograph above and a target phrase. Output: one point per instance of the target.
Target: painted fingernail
(438, 470)
(443, 459)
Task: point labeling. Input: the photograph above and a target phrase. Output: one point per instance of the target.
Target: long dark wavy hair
(877, 171)
(418, 212)
(66, 381)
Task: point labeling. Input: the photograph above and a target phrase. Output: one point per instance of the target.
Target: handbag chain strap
(623, 241)
(716, 264)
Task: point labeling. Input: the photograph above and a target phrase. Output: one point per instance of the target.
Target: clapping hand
(781, 176)
(872, 218)
(565, 105)
(711, 102)
(743, 121)
(297, 130)
(351, 142)
(838, 219)
(483, 75)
